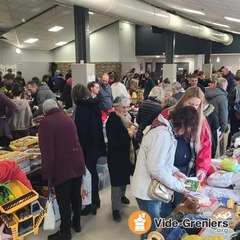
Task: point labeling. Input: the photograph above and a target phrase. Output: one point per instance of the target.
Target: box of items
(22, 144)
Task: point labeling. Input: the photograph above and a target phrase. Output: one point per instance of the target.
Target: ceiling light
(218, 59)
(218, 24)
(176, 56)
(91, 13)
(157, 56)
(55, 29)
(18, 50)
(232, 19)
(60, 43)
(31, 40)
(234, 32)
(193, 11)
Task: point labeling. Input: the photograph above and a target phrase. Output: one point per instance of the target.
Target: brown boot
(190, 206)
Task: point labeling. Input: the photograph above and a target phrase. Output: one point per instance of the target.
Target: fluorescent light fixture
(176, 56)
(55, 29)
(218, 59)
(18, 50)
(232, 19)
(91, 13)
(235, 32)
(31, 40)
(218, 24)
(157, 56)
(193, 11)
(60, 43)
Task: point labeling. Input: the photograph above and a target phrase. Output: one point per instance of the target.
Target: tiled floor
(101, 226)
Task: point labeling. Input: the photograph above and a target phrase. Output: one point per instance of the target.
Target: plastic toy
(6, 194)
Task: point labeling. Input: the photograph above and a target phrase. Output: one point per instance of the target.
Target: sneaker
(116, 216)
(60, 236)
(125, 200)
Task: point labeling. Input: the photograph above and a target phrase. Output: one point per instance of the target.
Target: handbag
(49, 220)
(158, 191)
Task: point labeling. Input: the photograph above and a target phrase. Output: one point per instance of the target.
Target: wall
(30, 62)
(65, 53)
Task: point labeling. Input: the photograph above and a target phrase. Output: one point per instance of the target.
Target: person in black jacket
(90, 133)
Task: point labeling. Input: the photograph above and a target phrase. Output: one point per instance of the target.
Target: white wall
(104, 44)
(32, 63)
(65, 53)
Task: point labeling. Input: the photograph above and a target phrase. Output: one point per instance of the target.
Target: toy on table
(6, 194)
(230, 164)
(192, 184)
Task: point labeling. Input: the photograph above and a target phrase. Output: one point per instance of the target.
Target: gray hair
(120, 100)
(221, 81)
(49, 104)
(156, 93)
(177, 86)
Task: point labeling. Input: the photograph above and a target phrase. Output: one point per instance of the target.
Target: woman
(120, 131)
(90, 134)
(191, 157)
(177, 90)
(156, 157)
(148, 111)
(94, 88)
(118, 88)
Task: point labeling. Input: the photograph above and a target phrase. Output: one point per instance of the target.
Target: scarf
(127, 123)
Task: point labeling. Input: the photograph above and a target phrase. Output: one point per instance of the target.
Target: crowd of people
(176, 131)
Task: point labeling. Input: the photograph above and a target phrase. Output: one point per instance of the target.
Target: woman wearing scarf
(120, 133)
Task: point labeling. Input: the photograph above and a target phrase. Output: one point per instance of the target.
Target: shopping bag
(49, 220)
(86, 188)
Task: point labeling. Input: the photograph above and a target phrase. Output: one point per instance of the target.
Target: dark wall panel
(149, 43)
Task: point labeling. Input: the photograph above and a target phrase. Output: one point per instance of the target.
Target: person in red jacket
(9, 170)
(192, 158)
(63, 164)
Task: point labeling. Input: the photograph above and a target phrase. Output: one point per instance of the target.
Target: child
(22, 116)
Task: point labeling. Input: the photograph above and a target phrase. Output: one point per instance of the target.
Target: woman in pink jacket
(192, 158)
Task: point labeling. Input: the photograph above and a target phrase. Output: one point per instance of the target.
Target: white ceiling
(17, 14)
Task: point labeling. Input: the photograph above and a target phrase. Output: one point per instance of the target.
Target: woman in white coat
(156, 158)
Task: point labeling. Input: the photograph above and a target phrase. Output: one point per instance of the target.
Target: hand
(4, 236)
(200, 175)
(221, 137)
(186, 192)
(179, 175)
(35, 107)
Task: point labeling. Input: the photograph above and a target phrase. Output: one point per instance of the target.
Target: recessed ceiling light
(18, 50)
(55, 29)
(193, 11)
(31, 40)
(232, 19)
(60, 43)
(91, 13)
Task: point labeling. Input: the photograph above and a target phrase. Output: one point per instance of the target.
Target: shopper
(7, 108)
(94, 88)
(192, 157)
(90, 133)
(120, 132)
(22, 118)
(63, 164)
(156, 157)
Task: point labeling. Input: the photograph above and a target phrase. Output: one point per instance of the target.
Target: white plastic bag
(86, 188)
(220, 179)
(49, 220)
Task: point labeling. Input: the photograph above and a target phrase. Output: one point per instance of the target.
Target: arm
(159, 162)
(203, 158)
(10, 105)
(46, 144)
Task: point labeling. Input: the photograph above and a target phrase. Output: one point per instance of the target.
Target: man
(230, 78)
(105, 93)
(218, 98)
(7, 88)
(62, 164)
(19, 79)
(42, 92)
(7, 108)
(149, 84)
(194, 82)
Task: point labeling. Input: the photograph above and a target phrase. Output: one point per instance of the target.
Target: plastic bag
(49, 220)
(86, 188)
(220, 179)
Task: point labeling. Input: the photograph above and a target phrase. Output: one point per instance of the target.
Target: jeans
(151, 207)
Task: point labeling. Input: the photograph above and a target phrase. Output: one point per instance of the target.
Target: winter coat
(178, 95)
(62, 156)
(155, 159)
(89, 127)
(120, 167)
(105, 94)
(149, 84)
(147, 112)
(203, 157)
(230, 78)
(7, 108)
(218, 98)
(22, 116)
(66, 94)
